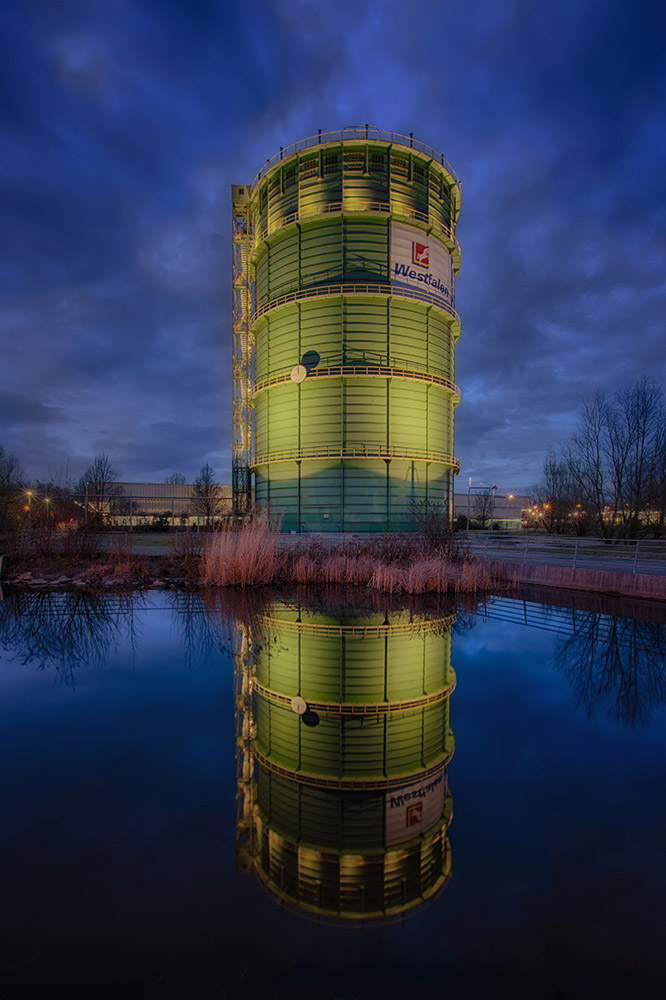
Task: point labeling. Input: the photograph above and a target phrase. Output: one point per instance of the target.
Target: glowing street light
(29, 494)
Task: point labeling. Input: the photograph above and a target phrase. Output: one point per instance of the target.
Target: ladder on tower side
(241, 351)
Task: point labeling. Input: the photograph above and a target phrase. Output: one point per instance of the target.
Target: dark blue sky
(124, 124)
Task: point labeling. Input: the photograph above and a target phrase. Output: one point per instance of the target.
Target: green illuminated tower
(345, 259)
(345, 817)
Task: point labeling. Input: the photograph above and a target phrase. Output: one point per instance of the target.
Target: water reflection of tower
(346, 814)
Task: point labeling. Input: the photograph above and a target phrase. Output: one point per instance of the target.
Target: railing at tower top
(349, 134)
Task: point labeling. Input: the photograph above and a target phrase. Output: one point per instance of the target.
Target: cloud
(126, 124)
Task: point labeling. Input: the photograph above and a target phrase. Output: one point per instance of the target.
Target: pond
(330, 797)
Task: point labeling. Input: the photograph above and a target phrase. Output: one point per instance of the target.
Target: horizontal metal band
(357, 708)
(351, 288)
(355, 134)
(357, 631)
(357, 452)
(361, 371)
(363, 206)
(315, 781)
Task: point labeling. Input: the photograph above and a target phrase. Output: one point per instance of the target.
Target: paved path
(540, 550)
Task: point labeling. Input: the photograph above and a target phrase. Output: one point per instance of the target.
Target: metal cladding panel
(321, 498)
(283, 420)
(328, 819)
(261, 423)
(406, 411)
(354, 496)
(331, 820)
(366, 250)
(365, 747)
(282, 271)
(281, 349)
(321, 252)
(324, 252)
(279, 492)
(354, 669)
(321, 414)
(409, 332)
(321, 329)
(439, 345)
(364, 412)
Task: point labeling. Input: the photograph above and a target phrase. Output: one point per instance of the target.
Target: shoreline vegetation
(432, 560)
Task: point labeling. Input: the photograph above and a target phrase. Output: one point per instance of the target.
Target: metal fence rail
(642, 555)
(116, 507)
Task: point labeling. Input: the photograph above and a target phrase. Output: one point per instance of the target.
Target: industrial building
(344, 327)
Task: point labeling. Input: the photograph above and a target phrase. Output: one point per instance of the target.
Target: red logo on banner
(420, 254)
(415, 814)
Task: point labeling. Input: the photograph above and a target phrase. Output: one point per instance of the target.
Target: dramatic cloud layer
(125, 124)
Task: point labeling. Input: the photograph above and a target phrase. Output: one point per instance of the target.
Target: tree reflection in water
(66, 630)
(611, 650)
(618, 664)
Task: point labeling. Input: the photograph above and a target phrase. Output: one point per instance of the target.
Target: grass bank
(431, 561)
(418, 563)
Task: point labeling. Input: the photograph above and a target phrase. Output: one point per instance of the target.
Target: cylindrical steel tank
(354, 327)
(351, 745)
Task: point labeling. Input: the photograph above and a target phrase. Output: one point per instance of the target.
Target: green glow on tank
(350, 853)
(351, 451)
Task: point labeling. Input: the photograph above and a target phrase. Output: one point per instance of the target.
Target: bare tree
(97, 484)
(561, 511)
(11, 486)
(617, 663)
(207, 495)
(636, 453)
(484, 506)
(175, 479)
(616, 461)
(552, 494)
(585, 457)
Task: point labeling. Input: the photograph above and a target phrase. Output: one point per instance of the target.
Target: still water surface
(171, 828)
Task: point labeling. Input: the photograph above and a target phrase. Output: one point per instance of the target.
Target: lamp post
(29, 493)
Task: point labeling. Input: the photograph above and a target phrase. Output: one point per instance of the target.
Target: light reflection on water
(130, 829)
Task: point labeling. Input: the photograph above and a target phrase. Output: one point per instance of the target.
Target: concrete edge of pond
(600, 581)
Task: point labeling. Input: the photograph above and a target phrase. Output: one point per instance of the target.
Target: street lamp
(29, 494)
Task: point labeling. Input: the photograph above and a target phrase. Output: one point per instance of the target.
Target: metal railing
(356, 204)
(317, 781)
(357, 631)
(625, 555)
(350, 134)
(130, 511)
(357, 451)
(357, 289)
(358, 708)
(360, 371)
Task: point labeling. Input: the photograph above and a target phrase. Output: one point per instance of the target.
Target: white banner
(420, 262)
(414, 808)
